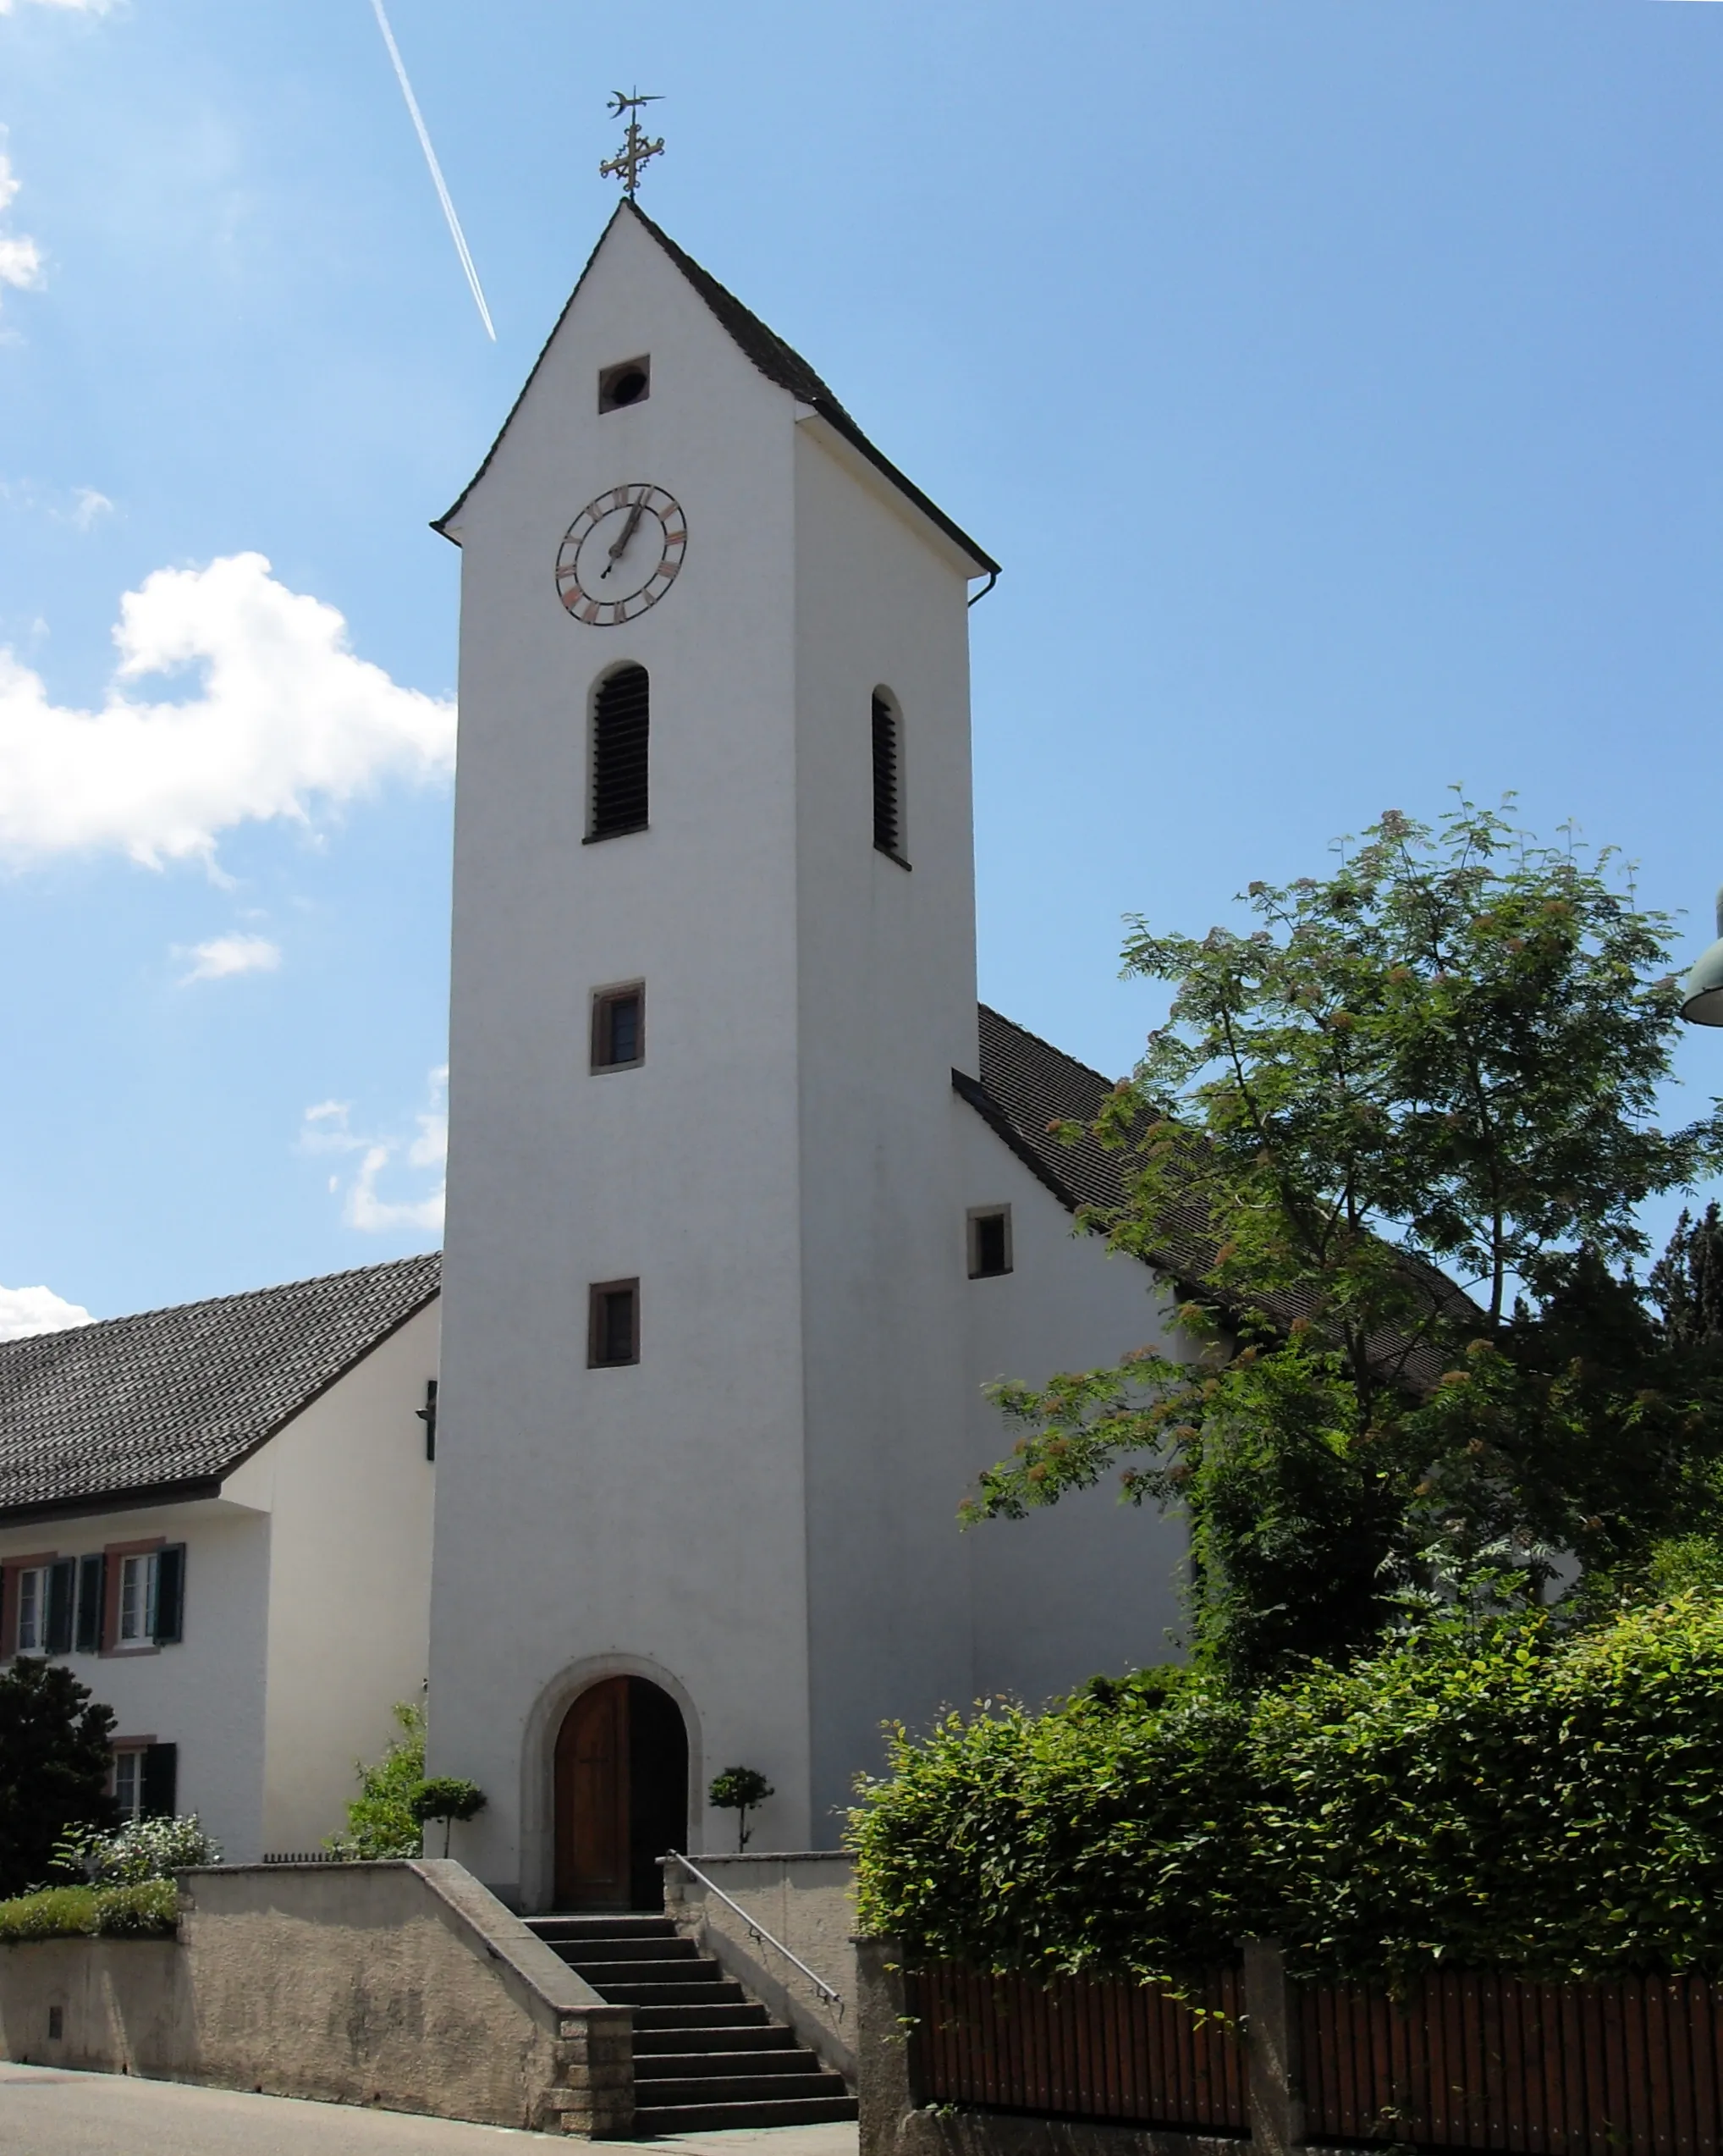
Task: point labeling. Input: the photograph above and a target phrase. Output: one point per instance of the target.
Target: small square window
(618, 1028)
(629, 382)
(989, 1241)
(613, 1324)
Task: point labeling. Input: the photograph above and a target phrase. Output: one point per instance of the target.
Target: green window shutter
(92, 1575)
(167, 1619)
(63, 1585)
(160, 1794)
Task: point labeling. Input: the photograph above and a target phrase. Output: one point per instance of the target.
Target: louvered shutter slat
(621, 720)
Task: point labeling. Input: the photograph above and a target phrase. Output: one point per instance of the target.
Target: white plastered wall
(887, 1008)
(205, 1694)
(1087, 1585)
(349, 1493)
(648, 1517)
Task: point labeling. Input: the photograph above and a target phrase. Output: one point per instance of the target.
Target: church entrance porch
(621, 1795)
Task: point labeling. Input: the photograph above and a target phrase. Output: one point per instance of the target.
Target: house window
(628, 383)
(613, 1324)
(620, 717)
(887, 777)
(128, 1784)
(618, 1028)
(146, 1778)
(149, 1592)
(32, 1609)
(989, 1241)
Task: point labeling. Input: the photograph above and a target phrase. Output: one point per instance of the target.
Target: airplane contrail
(454, 230)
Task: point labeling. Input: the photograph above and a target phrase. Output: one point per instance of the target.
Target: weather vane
(635, 151)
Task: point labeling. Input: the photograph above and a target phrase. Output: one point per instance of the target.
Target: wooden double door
(621, 1795)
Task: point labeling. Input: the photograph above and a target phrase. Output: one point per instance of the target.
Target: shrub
(144, 1909)
(1480, 1794)
(380, 1821)
(143, 1849)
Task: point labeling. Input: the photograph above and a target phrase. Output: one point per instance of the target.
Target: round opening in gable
(628, 387)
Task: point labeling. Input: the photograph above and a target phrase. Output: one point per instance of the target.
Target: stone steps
(705, 2056)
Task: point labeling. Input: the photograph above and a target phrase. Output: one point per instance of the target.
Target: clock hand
(628, 532)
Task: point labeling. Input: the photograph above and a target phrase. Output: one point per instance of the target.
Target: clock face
(621, 555)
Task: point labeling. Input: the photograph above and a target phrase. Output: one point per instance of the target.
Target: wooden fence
(1628, 2068)
(1078, 2048)
(1632, 2067)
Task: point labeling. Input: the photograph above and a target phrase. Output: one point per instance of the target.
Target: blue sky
(1389, 331)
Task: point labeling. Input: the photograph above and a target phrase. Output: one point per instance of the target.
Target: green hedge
(1510, 1799)
(146, 1909)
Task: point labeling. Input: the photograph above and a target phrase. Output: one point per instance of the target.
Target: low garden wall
(404, 1985)
(805, 1899)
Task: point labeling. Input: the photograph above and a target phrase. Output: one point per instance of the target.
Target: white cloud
(36, 1310)
(20, 259)
(73, 7)
(283, 716)
(327, 1128)
(224, 956)
(88, 508)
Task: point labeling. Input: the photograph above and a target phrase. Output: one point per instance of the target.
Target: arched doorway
(621, 1795)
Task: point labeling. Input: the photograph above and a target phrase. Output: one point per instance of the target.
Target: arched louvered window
(620, 712)
(887, 777)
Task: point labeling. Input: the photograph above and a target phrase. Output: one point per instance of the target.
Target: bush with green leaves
(143, 1849)
(381, 1821)
(141, 1909)
(54, 1767)
(1485, 1792)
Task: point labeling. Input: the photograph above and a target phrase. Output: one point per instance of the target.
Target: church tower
(704, 1405)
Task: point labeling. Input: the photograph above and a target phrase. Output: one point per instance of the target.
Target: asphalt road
(44, 2112)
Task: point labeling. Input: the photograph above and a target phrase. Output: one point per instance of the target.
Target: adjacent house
(219, 1515)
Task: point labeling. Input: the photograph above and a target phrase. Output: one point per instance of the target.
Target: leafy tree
(54, 1764)
(381, 1820)
(446, 1797)
(1439, 1064)
(739, 1789)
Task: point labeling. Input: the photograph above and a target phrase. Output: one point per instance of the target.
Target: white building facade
(713, 1351)
(219, 1517)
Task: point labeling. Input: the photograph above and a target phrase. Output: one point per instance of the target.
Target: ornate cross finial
(635, 151)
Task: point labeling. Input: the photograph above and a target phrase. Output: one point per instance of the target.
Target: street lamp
(1702, 995)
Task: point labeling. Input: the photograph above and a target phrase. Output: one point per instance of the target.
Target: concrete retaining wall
(407, 1986)
(804, 1899)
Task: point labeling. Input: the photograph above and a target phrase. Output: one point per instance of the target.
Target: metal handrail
(756, 1929)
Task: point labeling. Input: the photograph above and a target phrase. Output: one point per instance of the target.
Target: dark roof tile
(170, 1401)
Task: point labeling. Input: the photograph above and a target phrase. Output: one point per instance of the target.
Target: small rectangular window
(621, 732)
(613, 1325)
(137, 1579)
(32, 1609)
(618, 1028)
(887, 780)
(128, 1782)
(989, 1241)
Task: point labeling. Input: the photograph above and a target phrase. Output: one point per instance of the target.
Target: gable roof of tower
(160, 1407)
(778, 361)
(1026, 1084)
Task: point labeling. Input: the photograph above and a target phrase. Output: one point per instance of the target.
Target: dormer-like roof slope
(778, 361)
(1025, 1084)
(160, 1407)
